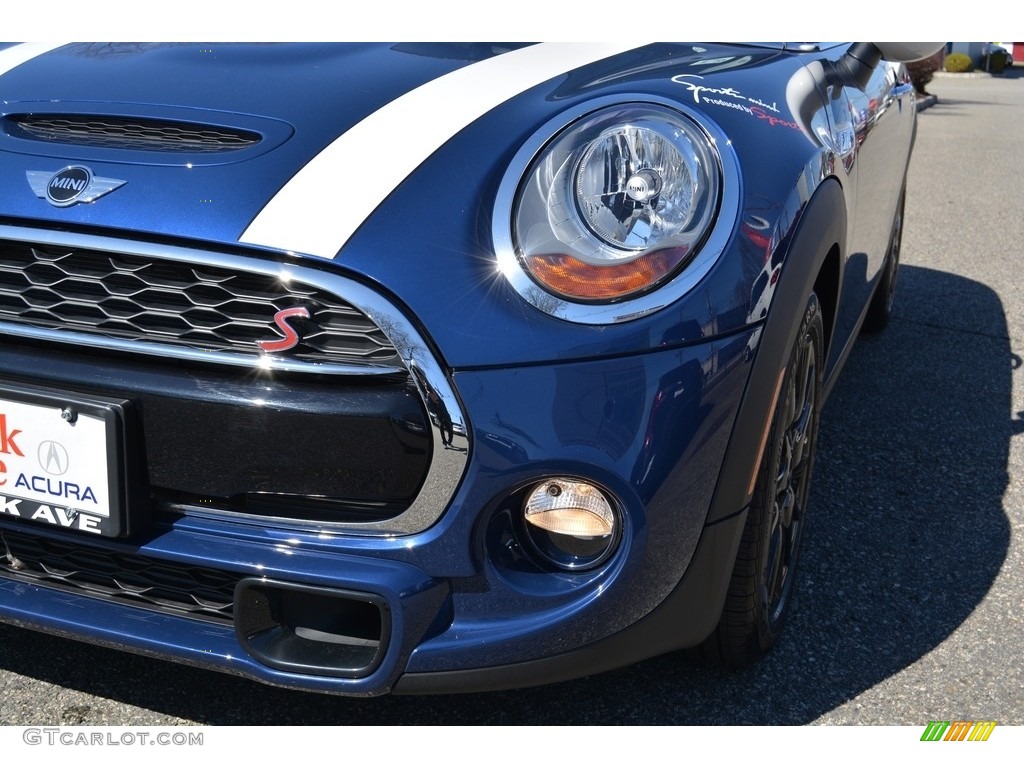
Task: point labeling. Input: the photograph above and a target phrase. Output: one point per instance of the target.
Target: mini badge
(71, 185)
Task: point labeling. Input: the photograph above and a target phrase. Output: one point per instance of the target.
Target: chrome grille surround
(191, 309)
(113, 132)
(413, 359)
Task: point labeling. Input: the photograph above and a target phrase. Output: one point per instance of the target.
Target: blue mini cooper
(430, 367)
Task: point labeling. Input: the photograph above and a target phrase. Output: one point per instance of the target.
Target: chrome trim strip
(448, 423)
(603, 314)
(155, 349)
(353, 292)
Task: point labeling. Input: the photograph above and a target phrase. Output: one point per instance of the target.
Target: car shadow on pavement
(907, 534)
(1012, 73)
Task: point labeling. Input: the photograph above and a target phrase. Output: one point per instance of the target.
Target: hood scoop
(113, 132)
(147, 134)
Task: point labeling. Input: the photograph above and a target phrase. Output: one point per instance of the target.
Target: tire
(761, 586)
(880, 309)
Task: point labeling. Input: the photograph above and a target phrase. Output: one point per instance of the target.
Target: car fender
(691, 610)
(821, 228)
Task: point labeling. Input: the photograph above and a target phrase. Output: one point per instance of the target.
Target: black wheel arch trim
(821, 228)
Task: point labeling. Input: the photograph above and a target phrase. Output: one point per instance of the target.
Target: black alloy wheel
(761, 588)
(880, 309)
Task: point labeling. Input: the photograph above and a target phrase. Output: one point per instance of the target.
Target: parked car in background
(1005, 56)
(430, 367)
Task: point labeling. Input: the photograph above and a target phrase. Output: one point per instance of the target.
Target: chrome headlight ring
(615, 209)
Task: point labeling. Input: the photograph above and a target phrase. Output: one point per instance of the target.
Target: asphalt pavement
(908, 605)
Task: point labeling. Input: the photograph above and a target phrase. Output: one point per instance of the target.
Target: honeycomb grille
(119, 133)
(168, 587)
(179, 304)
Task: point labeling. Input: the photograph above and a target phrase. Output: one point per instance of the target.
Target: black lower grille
(98, 571)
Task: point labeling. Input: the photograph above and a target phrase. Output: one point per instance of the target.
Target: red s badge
(291, 337)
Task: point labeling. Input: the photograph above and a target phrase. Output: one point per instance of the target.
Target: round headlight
(616, 204)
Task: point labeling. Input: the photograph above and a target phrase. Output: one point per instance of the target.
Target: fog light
(570, 523)
(569, 507)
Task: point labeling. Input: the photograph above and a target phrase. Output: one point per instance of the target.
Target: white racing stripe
(320, 208)
(19, 54)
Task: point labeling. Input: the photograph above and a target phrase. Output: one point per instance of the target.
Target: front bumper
(460, 602)
(412, 601)
(449, 589)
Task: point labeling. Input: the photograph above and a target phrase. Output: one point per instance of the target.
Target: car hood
(406, 204)
(303, 83)
(297, 98)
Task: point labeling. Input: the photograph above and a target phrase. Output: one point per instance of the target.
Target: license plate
(61, 461)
